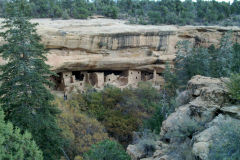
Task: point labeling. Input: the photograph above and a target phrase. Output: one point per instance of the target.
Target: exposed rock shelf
(113, 44)
(98, 45)
(193, 125)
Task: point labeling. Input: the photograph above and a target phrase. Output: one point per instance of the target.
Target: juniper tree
(23, 94)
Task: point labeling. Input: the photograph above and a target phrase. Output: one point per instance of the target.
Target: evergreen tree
(234, 86)
(16, 146)
(224, 58)
(24, 97)
(236, 58)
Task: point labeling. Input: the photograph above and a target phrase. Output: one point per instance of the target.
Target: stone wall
(71, 82)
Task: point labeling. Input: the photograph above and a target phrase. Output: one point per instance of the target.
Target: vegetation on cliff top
(138, 11)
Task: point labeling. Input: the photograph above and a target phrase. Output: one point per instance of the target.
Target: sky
(220, 0)
(225, 1)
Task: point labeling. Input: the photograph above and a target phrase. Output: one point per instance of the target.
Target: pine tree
(16, 146)
(23, 94)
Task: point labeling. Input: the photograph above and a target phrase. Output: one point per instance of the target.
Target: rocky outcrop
(188, 132)
(106, 44)
(103, 45)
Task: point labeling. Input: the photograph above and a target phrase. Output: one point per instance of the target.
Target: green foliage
(166, 107)
(224, 59)
(188, 127)
(107, 150)
(65, 15)
(234, 86)
(146, 143)
(177, 12)
(81, 130)
(170, 79)
(214, 62)
(46, 8)
(191, 61)
(120, 111)
(226, 142)
(167, 103)
(107, 8)
(236, 58)
(16, 146)
(111, 11)
(24, 98)
(147, 146)
(80, 9)
(143, 12)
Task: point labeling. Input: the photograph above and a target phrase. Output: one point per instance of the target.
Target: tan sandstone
(103, 45)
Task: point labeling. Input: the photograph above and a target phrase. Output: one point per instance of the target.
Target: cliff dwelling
(78, 81)
(111, 52)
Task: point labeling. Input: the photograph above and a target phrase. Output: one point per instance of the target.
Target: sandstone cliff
(112, 47)
(105, 44)
(189, 131)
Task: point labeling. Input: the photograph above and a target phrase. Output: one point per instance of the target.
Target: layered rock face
(188, 132)
(105, 44)
(112, 47)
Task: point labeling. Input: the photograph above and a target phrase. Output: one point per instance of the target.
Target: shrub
(65, 15)
(81, 130)
(154, 123)
(120, 111)
(146, 143)
(80, 13)
(236, 58)
(107, 150)
(224, 59)
(166, 101)
(226, 142)
(187, 127)
(170, 79)
(110, 11)
(147, 146)
(234, 86)
(16, 146)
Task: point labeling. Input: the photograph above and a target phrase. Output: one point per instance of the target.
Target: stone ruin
(99, 52)
(78, 81)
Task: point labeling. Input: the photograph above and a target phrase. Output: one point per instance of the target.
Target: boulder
(207, 96)
(134, 152)
(234, 111)
(189, 132)
(204, 140)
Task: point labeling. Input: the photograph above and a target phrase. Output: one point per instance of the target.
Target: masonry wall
(134, 76)
(121, 79)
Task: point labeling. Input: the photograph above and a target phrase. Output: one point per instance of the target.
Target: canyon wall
(104, 44)
(114, 47)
